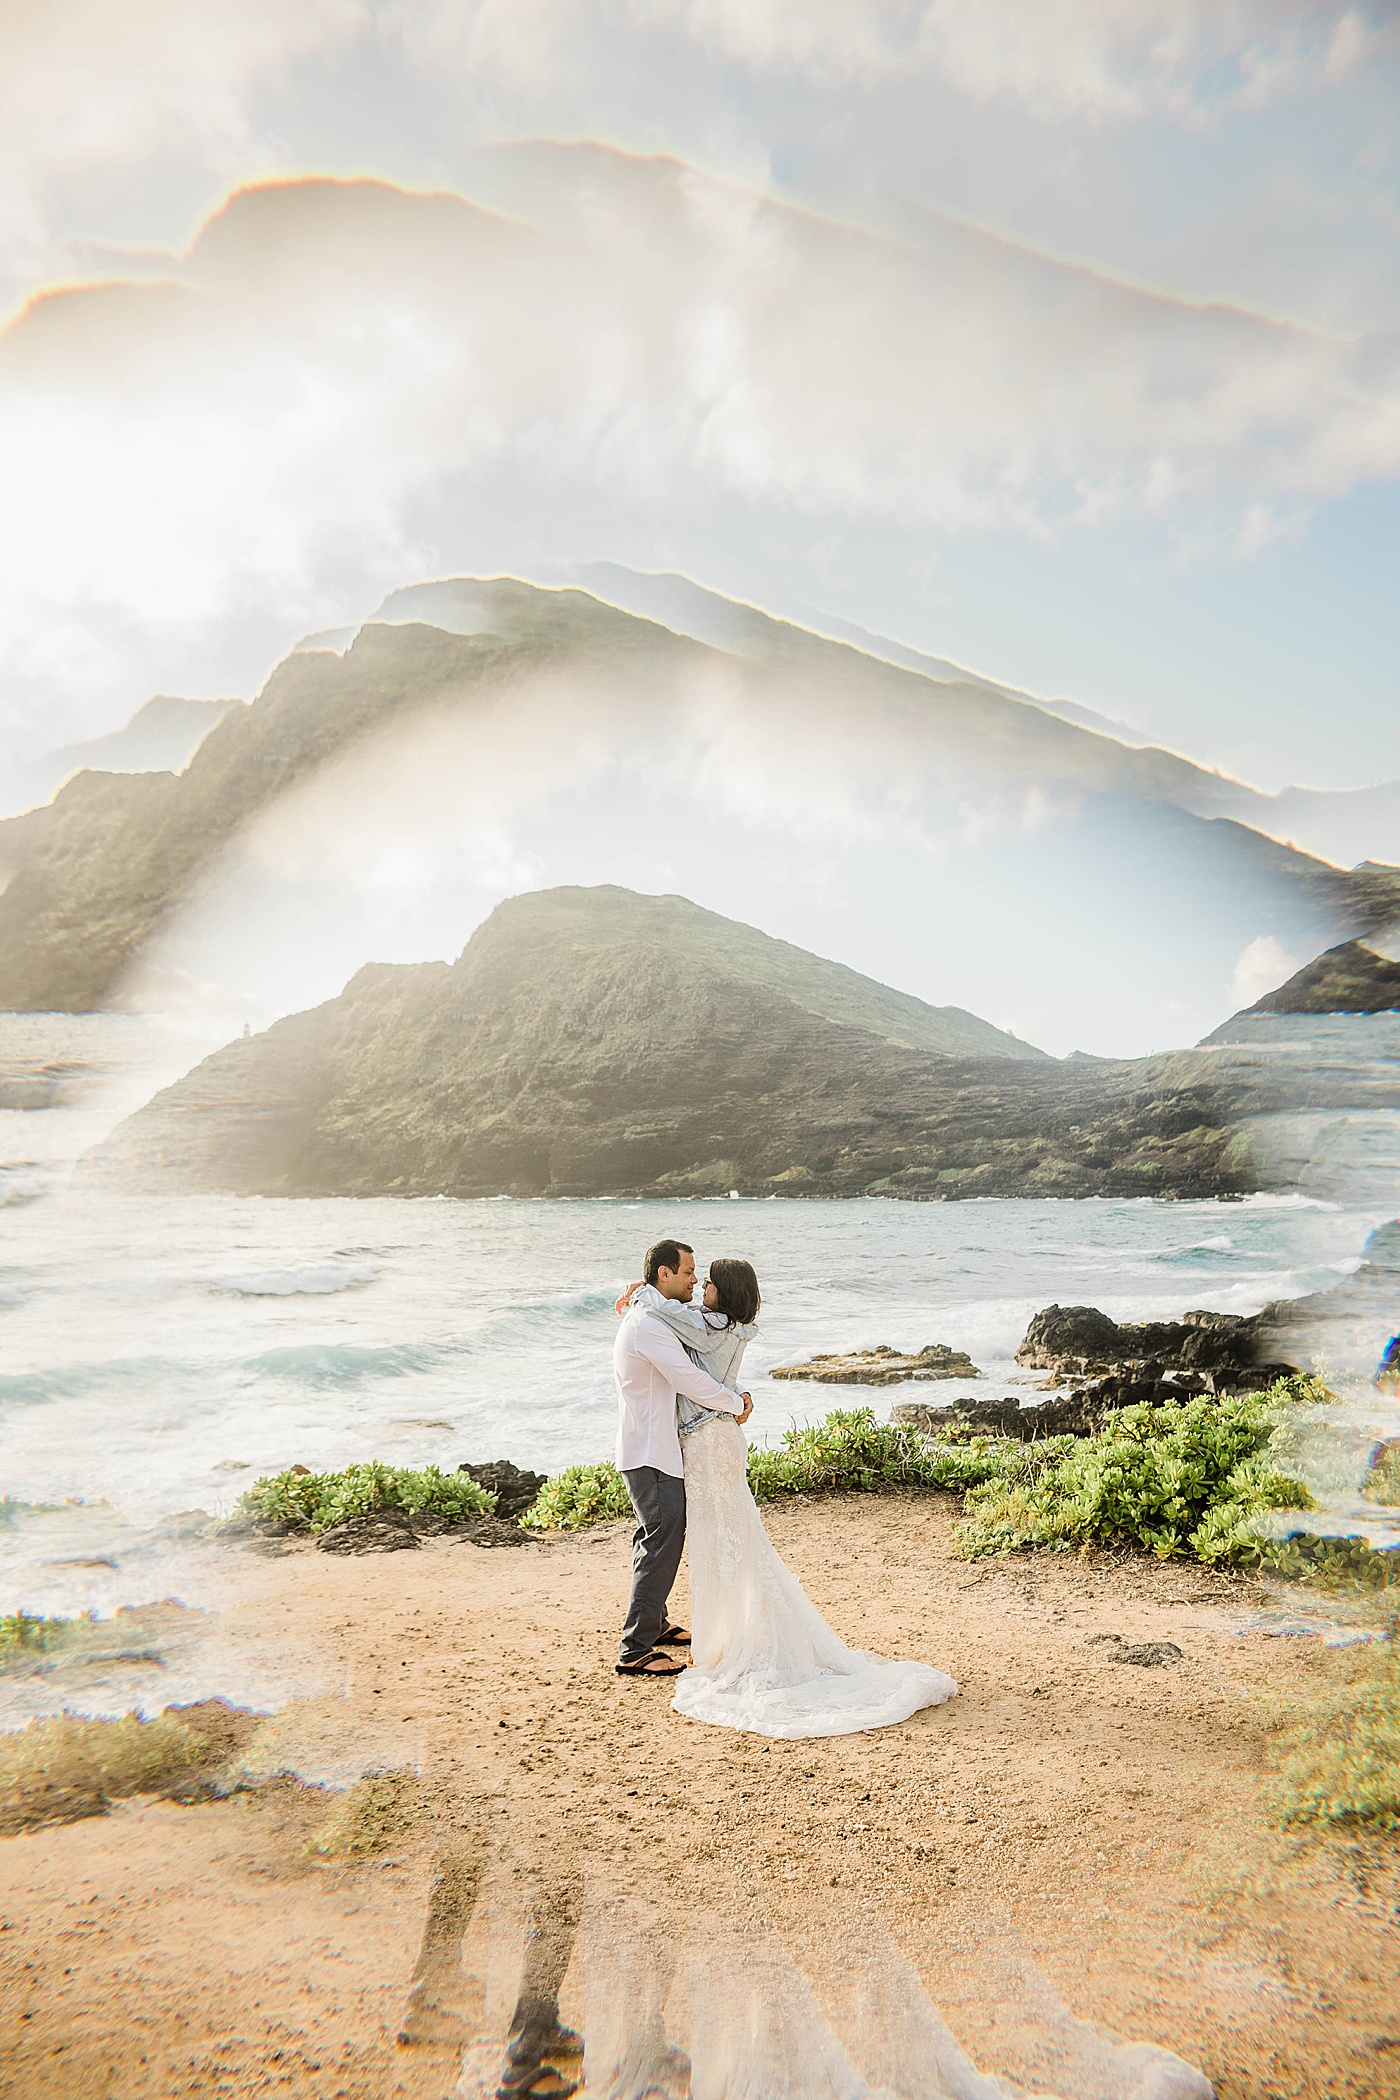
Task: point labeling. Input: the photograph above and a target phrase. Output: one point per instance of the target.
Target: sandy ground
(1069, 1840)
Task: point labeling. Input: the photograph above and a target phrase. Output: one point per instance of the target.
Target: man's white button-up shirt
(651, 1368)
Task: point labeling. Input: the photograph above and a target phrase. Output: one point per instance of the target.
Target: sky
(1059, 337)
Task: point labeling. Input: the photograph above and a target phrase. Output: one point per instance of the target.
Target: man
(652, 1367)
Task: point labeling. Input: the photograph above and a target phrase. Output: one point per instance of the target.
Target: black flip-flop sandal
(544, 2082)
(543, 2070)
(673, 1637)
(669, 1666)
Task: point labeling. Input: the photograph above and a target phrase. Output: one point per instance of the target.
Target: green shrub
(1188, 1479)
(773, 1473)
(1337, 1758)
(1176, 1479)
(851, 1452)
(315, 1501)
(577, 1497)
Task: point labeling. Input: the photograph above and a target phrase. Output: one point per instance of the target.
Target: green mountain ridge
(1351, 978)
(595, 1042)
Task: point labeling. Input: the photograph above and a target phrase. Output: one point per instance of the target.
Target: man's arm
(663, 1350)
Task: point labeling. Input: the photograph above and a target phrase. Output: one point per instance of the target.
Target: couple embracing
(762, 1656)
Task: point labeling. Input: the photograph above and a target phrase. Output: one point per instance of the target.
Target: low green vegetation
(850, 1451)
(1336, 1757)
(312, 1502)
(1190, 1479)
(381, 1810)
(61, 1769)
(578, 1497)
(1193, 1479)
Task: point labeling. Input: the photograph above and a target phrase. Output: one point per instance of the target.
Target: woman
(763, 1657)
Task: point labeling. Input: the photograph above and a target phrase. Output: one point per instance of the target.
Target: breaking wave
(312, 1279)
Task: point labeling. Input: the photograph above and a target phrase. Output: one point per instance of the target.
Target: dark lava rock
(1082, 1412)
(997, 1417)
(1223, 1349)
(1070, 1333)
(1065, 1416)
(380, 1531)
(514, 1488)
(399, 1530)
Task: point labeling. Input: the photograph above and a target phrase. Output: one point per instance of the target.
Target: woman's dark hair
(736, 1291)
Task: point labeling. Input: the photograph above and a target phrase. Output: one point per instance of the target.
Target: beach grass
(22, 1634)
(1336, 1750)
(63, 1768)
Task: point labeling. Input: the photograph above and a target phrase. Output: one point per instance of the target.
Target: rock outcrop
(882, 1366)
(514, 1487)
(1079, 1341)
(1108, 1366)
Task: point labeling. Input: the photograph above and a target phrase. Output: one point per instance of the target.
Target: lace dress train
(763, 1657)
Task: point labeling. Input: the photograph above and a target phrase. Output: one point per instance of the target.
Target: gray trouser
(659, 1501)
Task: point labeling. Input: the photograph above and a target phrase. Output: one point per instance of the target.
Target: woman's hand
(747, 1399)
(626, 1299)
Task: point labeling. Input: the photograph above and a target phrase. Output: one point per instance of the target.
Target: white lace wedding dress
(762, 1656)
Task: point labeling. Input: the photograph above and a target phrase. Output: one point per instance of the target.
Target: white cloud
(1186, 61)
(335, 357)
(1104, 60)
(96, 99)
(1116, 60)
(88, 89)
(1262, 965)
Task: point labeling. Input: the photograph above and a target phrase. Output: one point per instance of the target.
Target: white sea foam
(312, 1279)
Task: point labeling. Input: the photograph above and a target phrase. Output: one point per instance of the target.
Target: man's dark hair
(666, 1254)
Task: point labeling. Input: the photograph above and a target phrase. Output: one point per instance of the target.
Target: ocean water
(160, 1355)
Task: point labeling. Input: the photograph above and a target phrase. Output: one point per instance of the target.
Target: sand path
(1067, 1829)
